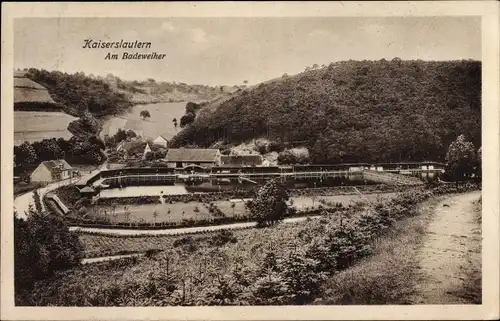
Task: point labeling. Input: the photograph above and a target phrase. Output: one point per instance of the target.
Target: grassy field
(160, 122)
(35, 125)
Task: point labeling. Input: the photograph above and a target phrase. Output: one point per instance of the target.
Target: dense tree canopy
(43, 245)
(461, 159)
(145, 114)
(80, 93)
(269, 205)
(354, 111)
(77, 150)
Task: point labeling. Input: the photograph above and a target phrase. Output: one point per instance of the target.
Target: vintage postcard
(250, 161)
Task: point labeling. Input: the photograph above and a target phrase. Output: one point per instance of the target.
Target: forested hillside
(79, 93)
(152, 91)
(354, 111)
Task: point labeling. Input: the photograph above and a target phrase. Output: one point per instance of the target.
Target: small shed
(88, 191)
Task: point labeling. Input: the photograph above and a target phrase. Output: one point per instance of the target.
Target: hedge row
(185, 223)
(139, 200)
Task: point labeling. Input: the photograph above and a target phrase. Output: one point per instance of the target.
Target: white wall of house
(41, 174)
(217, 160)
(64, 174)
(160, 141)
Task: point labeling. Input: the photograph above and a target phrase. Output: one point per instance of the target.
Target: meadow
(160, 122)
(34, 126)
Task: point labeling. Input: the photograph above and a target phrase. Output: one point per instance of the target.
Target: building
(53, 170)
(147, 150)
(160, 141)
(183, 157)
(241, 160)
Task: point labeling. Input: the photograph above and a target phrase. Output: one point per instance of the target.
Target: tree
(131, 133)
(284, 75)
(315, 66)
(25, 154)
(479, 167)
(460, 159)
(43, 245)
(233, 205)
(187, 119)
(120, 135)
(145, 114)
(175, 122)
(269, 205)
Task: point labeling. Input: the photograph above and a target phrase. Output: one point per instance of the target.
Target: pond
(131, 191)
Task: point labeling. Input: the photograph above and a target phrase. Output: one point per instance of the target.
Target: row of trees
(354, 111)
(76, 150)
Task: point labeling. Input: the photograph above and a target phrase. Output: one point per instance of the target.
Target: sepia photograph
(218, 161)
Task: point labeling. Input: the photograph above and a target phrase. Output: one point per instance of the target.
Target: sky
(227, 51)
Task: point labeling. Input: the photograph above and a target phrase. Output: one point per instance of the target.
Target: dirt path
(450, 253)
(180, 231)
(109, 258)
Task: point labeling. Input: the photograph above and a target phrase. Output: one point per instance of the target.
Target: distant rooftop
(191, 155)
(57, 165)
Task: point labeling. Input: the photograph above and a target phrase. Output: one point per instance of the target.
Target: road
(22, 202)
(179, 231)
(450, 252)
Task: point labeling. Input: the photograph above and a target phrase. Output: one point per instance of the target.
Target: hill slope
(354, 111)
(151, 91)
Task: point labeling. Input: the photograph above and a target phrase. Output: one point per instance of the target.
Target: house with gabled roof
(51, 171)
(184, 157)
(161, 141)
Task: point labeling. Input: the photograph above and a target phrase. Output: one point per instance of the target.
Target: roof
(28, 91)
(54, 165)
(161, 138)
(191, 155)
(241, 160)
(87, 189)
